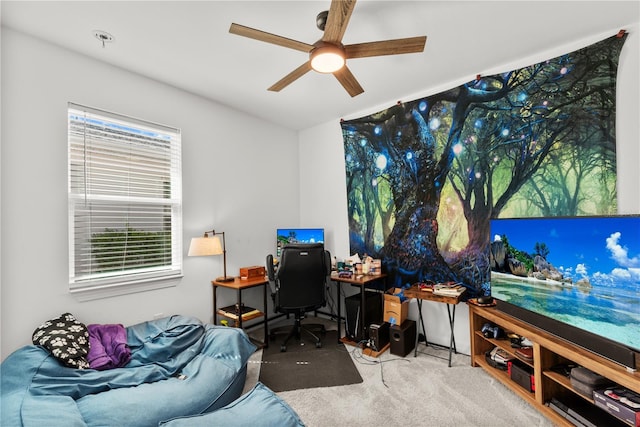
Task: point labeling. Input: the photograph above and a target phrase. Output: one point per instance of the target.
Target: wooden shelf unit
(548, 350)
(239, 285)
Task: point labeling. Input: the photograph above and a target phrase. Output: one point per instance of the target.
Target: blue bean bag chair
(179, 367)
(260, 407)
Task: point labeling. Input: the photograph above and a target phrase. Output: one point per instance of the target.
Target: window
(125, 203)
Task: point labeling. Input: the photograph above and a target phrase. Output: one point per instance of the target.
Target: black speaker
(379, 335)
(373, 314)
(403, 338)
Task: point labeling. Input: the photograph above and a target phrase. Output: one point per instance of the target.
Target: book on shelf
(233, 311)
(500, 356)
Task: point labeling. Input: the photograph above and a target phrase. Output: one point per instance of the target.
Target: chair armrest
(270, 271)
(327, 262)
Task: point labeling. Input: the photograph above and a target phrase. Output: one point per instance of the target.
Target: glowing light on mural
(422, 106)
(478, 175)
(374, 182)
(381, 162)
(348, 157)
(564, 70)
(377, 130)
(434, 123)
(363, 142)
(409, 155)
(522, 96)
(505, 132)
(457, 149)
(478, 123)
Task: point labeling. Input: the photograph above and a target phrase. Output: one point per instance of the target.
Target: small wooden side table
(450, 301)
(239, 285)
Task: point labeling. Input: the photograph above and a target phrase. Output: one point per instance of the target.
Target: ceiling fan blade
(339, 15)
(291, 77)
(386, 47)
(348, 81)
(263, 36)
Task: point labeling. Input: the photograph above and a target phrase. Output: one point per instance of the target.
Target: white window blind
(125, 201)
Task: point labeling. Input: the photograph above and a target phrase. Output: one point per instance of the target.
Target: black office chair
(299, 287)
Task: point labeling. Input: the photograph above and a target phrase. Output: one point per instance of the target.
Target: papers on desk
(448, 289)
(451, 289)
(426, 286)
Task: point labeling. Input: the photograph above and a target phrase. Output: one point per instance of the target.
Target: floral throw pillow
(66, 338)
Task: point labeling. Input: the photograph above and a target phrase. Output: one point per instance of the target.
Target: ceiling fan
(329, 55)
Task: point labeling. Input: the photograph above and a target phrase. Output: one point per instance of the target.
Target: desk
(362, 281)
(239, 285)
(415, 292)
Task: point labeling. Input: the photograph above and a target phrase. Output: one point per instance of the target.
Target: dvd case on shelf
(233, 312)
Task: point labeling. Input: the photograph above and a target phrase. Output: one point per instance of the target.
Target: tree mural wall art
(425, 177)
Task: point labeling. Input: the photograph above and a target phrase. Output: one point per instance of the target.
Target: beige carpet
(410, 391)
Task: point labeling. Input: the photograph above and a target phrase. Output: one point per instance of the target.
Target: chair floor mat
(305, 366)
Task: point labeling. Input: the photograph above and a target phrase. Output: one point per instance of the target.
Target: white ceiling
(187, 45)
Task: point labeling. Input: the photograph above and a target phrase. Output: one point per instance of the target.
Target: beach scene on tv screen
(583, 271)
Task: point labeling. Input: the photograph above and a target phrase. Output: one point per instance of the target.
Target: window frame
(88, 283)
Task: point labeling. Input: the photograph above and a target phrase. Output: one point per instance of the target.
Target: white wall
(232, 178)
(323, 189)
(233, 182)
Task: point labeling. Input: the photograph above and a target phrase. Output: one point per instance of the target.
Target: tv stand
(548, 350)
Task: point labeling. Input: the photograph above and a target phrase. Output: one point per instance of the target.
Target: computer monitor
(298, 235)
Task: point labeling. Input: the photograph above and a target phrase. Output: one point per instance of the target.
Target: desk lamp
(210, 245)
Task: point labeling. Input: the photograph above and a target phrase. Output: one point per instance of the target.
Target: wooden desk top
(415, 292)
(357, 279)
(239, 283)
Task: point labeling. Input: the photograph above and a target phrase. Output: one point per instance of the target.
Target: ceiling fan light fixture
(329, 55)
(327, 58)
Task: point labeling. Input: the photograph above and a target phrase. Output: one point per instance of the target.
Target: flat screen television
(298, 235)
(575, 277)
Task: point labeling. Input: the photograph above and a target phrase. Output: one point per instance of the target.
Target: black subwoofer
(403, 338)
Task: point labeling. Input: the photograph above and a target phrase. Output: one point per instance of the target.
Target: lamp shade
(205, 246)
